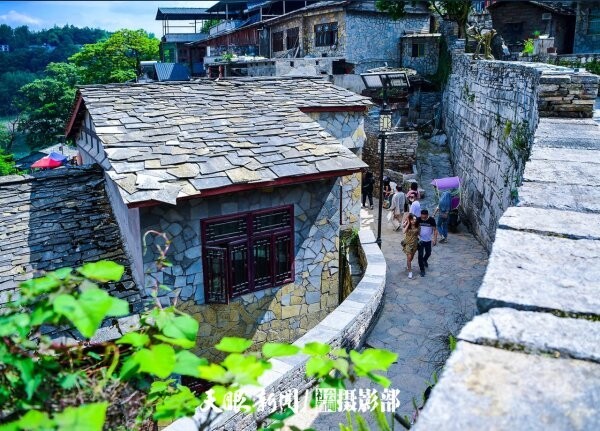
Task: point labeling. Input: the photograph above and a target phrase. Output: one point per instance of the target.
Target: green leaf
(283, 415)
(341, 353)
(176, 327)
(245, 369)
(371, 360)
(315, 348)
(88, 311)
(182, 342)
(272, 350)
(318, 366)
(70, 380)
(88, 417)
(34, 420)
(341, 365)
(63, 273)
(135, 339)
(233, 345)
(158, 360)
(39, 286)
(103, 270)
(182, 403)
(213, 373)
(383, 381)
(187, 364)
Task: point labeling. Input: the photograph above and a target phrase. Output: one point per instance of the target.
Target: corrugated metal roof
(171, 72)
(185, 13)
(184, 37)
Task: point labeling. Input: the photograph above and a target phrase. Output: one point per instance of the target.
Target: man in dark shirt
(427, 237)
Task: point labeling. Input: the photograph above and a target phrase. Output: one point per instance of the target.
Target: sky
(107, 15)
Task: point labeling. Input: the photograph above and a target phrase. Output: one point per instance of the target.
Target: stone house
(420, 52)
(517, 21)
(587, 28)
(251, 180)
(354, 34)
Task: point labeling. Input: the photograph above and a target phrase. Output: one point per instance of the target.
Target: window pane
(269, 221)
(283, 258)
(262, 262)
(594, 27)
(225, 229)
(215, 288)
(238, 261)
(278, 41)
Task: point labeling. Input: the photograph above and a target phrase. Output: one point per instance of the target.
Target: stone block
(567, 224)
(313, 297)
(290, 311)
(485, 388)
(528, 271)
(535, 332)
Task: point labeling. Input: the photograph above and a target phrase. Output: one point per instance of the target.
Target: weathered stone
(532, 276)
(567, 224)
(488, 388)
(535, 332)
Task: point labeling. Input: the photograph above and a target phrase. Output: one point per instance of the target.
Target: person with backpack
(443, 209)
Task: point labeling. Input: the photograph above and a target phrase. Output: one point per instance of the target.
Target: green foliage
(7, 162)
(527, 47)
(31, 52)
(208, 24)
(444, 69)
(454, 10)
(507, 129)
(593, 66)
(47, 386)
(116, 59)
(227, 56)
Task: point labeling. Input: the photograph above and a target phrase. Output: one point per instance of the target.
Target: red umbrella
(46, 162)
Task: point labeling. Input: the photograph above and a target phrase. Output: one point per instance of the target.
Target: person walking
(367, 189)
(410, 243)
(387, 192)
(427, 237)
(397, 206)
(414, 190)
(415, 204)
(443, 209)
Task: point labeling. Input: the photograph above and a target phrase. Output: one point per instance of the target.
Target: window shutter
(215, 286)
(263, 263)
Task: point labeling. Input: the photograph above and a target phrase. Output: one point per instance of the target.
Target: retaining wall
(491, 110)
(347, 326)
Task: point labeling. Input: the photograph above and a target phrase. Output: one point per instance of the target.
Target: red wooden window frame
(255, 235)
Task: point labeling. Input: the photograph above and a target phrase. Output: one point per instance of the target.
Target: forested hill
(29, 52)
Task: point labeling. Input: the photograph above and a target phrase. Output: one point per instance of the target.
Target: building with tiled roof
(56, 219)
(252, 181)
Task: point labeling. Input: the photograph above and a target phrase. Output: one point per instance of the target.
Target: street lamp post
(383, 80)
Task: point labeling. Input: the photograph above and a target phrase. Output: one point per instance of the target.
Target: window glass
(283, 261)
(215, 289)
(248, 252)
(262, 262)
(326, 34)
(594, 23)
(278, 41)
(238, 262)
(292, 37)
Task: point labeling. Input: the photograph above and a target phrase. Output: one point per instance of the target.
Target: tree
(7, 162)
(116, 59)
(10, 82)
(454, 10)
(45, 105)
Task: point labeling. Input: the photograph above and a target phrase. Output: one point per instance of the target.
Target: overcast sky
(108, 15)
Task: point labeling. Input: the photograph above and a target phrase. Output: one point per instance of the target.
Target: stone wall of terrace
(491, 110)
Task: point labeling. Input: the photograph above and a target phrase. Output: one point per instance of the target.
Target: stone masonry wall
(383, 36)
(490, 113)
(277, 314)
(427, 63)
(491, 110)
(347, 127)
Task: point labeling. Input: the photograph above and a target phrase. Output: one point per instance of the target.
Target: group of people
(419, 227)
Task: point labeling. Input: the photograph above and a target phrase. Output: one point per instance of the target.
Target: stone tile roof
(171, 140)
(57, 219)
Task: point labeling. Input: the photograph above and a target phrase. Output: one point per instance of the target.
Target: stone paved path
(418, 312)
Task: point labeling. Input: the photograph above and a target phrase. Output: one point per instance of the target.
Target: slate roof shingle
(166, 141)
(55, 219)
